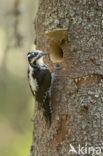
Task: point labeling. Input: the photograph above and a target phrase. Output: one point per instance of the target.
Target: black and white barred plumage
(40, 81)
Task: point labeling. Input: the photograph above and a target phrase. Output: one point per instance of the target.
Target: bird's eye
(35, 54)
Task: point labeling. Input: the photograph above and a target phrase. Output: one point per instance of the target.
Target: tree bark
(77, 91)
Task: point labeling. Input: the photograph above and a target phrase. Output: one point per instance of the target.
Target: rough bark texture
(77, 92)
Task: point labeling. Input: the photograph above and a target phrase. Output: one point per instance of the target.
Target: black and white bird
(40, 81)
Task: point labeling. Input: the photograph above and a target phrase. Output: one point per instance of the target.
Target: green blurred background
(16, 102)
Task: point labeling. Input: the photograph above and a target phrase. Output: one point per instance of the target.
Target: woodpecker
(40, 79)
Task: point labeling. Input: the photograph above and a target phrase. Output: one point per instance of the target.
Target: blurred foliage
(16, 104)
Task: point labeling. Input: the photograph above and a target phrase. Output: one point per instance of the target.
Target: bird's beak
(44, 53)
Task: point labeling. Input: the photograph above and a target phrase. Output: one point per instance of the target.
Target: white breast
(32, 81)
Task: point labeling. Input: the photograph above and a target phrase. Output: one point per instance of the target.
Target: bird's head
(35, 57)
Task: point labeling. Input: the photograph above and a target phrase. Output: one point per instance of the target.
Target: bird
(40, 79)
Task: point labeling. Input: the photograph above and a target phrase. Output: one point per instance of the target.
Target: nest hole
(56, 53)
(56, 38)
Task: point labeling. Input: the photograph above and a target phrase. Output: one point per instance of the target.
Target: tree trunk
(77, 91)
